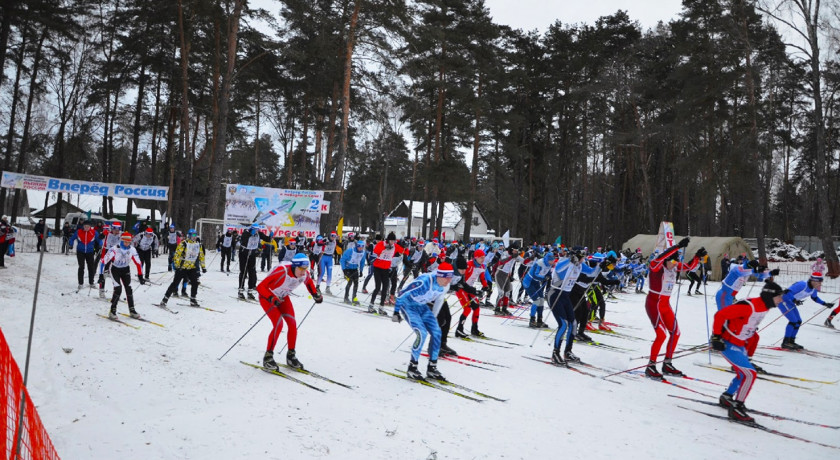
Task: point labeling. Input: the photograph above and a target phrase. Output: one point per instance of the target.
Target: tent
(732, 246)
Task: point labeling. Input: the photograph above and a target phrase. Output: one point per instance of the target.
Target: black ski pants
(121, 277)
(86, 259)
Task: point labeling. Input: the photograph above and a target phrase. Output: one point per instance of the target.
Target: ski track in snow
(162, 393)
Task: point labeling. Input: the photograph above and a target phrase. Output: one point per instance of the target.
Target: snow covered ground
(162, 393)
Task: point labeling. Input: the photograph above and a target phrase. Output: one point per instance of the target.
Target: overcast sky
(539, 14)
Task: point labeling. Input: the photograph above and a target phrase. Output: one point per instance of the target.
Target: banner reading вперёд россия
(52, 184)
(285, 212)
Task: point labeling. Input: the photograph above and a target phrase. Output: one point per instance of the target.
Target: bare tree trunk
(411, 194)
(24, 142)
(135, 141)
(220, 153)
(155, 126)
(10, 137)
(474, 175)
(257, 143)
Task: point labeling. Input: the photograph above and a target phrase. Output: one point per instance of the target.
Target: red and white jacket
(662, 278)
(474, 272)
(282, 281)
(739, 321)
(384, 254)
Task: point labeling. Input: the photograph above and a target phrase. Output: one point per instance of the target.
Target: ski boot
(459, 331)
(532, 323)
(540, 322)
(371, 309)
(347, 301)
(475, 332)
(556, 358)
(79, 288)
(688, 293)
(241, 294)
(327, 291)
(175, 294)
(133, 313)
(738, 413)
(497, 311)
(112, 315)
(581, 337)
(194, 302)
(365, 291)
(396, 318)
(101, 293)
(412, 371)
(571, 357)
(184, 292)
(445, 350)
(432, 372)
(788, 343)
(268, 361)
(251, 295)
(651, 371)
(506, 312)
(758, 368)
(726, 400)
(827, 322)
(381, 311)
(669, 369)
(356, 302)
(698, 292)
(292, 360)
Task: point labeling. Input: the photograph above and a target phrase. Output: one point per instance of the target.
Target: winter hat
(770, 290)
(444, 270)
(116, 225)
(479, 253)
(392, 237)
(816, 277)
(461, 263)
(360, 244)
(126, 237)
(300, 260)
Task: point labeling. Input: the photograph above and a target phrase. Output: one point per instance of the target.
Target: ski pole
(412, 331)
(518, 315)
(300, 324)
(243, 335)
(572, 323)
(708, 331)
(803, 323)
(550, 308)
(698, 350)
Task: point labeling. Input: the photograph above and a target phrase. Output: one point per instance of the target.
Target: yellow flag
(340, 227)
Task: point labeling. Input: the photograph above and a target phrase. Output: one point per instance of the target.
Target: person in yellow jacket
(267, 250)
(189, 256)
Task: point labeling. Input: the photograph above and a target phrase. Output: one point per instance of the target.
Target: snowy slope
(162, 393)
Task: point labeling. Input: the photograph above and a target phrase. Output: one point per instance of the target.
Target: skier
(40, 230)
(315, 250)
(268, 248)
(7, 234)
(694, 277)
(325, 265)
(831, 315)
(563, 278)
(734, 335)
(66, 233)
(248, 260)
(352, 264)
(470, 300)
(287, 252)
(110, 238)
(795, 295)
(737, 277)
(173, 238)
(663, 275)
(86, 246)
(414, 262)
(504, 278)
(534, 283)
(146, 242)
(384, 252)
(224, 245)
(370, 258)
(413, 305)
(589, 272)
(274, 293)
(117, 257)
(188, 257)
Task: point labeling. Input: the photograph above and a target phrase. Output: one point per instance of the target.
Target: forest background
(596, 132)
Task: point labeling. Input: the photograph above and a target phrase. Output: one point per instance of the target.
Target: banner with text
(283, 211)
(52, 184)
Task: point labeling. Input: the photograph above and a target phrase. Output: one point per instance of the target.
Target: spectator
(40, 232)
(66, 232)
(6, 234)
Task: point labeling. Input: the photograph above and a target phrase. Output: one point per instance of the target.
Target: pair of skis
(297, 380)
(446, 386)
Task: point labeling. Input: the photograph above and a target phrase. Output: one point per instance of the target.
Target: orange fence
(35, 444)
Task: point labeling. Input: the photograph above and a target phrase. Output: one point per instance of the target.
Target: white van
(76, 218)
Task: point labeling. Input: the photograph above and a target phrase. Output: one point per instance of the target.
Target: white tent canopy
(717, 247)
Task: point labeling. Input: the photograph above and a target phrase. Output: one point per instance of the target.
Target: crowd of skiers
(416, 277)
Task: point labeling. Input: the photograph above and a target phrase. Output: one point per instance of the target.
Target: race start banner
(52, 184)
(285, 212)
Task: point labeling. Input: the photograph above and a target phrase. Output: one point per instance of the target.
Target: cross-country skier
(250, 242)
(172, 239)
(384, 252)
(534, 283)
(352, 264)
(663, 275)
(469, 297)
(795, 295)
(188, 258)
(733, 334)
(86, 246)
(563, 278)
(118, 257)
(737, 277)
(110, 238)
(145, 242)
(325, 265)
(224, 245)
(413, 305)
(504, 278)
(274, 293)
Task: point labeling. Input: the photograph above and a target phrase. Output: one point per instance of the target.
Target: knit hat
(300, 260)
(816, 277)
(444, 270)
(460, 263)
(479, 253)
(149, 230)
(391, 237)
(126, 237)
(769, 291)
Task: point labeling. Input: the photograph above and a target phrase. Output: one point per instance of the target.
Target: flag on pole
(340, 227)
(665, 238)
(506, 239)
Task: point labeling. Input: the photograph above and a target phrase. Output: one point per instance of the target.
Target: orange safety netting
(35, 444)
